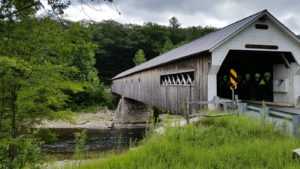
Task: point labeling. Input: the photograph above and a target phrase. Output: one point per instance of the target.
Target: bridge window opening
(255, 74)
(255, 46)
(261, 26)
(180, 79)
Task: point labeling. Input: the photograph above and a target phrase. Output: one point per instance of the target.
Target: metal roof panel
(202, 44)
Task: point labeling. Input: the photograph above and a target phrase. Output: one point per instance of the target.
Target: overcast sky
(217, 13)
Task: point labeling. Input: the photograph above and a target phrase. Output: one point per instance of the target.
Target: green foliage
(117, 43)
(139, 57)
(156, 112)
(43, 64)
(167, 46)
(119, 148)
(28, 153)
(18, 9)
(45, 135)
(79, 46)
(150, 130)
(98, 96)
(220, 143)
(80, 149)
(35, 68)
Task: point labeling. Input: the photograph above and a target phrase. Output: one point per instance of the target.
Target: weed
(224, 143)
(80, 140)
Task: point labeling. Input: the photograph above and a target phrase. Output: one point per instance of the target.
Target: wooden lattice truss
(185, 78)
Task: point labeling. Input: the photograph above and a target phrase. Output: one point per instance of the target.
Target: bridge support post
(132, 112)
(295, 125)
(217, 102)
(264, 113)
(243, 108)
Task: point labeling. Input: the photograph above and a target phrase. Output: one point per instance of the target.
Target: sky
(216, 13)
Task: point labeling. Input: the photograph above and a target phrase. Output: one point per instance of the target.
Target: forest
(50, 67)
(118, 43)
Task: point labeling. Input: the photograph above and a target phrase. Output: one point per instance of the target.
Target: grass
(219, 143)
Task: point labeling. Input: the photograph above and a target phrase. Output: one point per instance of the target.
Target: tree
(34, 76)
(115, 49)
(194, 32)
(17, 9)
(43, 65)
(139, 57)
(176, 35)
(117, 43)
(167, 46)
(173, 22)
(79, 40)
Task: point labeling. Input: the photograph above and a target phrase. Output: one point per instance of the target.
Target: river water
(98, 140)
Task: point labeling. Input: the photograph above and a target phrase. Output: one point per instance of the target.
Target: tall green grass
(219, 143)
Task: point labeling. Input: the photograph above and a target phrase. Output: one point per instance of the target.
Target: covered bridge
(264, 53)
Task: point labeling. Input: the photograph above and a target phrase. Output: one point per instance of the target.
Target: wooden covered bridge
(264, 53)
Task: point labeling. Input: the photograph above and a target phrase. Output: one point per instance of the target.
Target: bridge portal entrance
(256, 71)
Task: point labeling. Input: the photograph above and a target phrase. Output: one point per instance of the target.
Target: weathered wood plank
(202, 102)
(207, 115)
(145, 86)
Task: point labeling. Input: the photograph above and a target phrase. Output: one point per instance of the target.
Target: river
(98, 140)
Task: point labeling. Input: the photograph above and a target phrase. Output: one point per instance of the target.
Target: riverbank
(65, 159)
(221, 143)
(101, 137)
(101, 119)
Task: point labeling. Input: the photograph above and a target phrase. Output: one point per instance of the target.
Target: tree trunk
(14, 111)
(3, 106)
(12, 148)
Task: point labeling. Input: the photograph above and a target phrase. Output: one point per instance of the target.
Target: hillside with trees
(50, 67)
(46, 64)
(118, 43)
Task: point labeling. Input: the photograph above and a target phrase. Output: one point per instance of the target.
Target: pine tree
(173, 22)
(167, 46)
(139, 57)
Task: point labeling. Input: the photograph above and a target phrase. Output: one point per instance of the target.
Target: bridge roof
(203, 44)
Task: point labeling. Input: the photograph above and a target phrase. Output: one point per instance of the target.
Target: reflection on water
(98, 140)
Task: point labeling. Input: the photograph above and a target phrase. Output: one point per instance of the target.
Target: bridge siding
(171, 98)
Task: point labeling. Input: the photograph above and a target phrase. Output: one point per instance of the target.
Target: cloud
(97, 13)
(216, 13)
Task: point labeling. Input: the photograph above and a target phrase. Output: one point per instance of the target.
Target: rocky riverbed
(102, 119)
(102, 133)
(102, 137)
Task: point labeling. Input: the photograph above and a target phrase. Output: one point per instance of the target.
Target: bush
(98, 96)
(28, 153)
(156, 112)
(80, 145)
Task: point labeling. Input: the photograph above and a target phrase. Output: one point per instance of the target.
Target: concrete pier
(132, 112)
